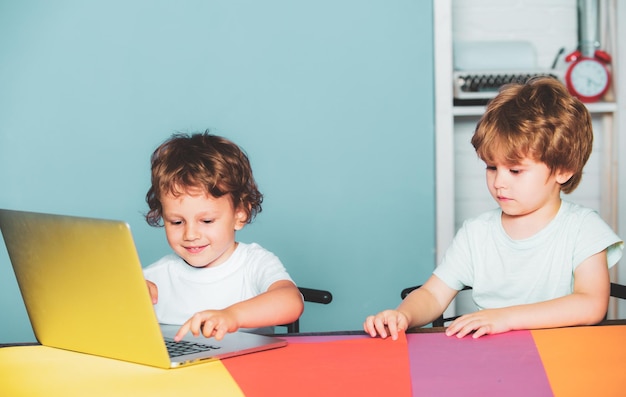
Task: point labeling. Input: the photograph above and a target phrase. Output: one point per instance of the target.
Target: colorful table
(585, 361)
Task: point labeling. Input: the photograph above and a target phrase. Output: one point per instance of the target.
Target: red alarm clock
(587, 78)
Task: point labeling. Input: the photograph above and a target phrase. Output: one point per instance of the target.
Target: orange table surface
(584, 361)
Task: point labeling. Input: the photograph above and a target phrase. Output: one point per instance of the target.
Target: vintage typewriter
(481, 68)
(477, 87)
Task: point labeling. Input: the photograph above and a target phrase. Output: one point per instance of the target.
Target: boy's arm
(282, 303)
(586, 305)
(426, 303)
(420, 307)
(153, 290)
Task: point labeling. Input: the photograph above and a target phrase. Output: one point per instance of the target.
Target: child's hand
(385, 323)
(211, 323)
(483, 322)
(154, 291)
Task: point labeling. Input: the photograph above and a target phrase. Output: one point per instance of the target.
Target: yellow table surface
(45, 371)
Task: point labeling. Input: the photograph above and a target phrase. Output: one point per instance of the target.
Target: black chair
(309, 295)
(617, 291)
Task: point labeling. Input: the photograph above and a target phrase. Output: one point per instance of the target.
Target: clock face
(588, 79)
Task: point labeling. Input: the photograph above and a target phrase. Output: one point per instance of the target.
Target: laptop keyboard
(176, 349)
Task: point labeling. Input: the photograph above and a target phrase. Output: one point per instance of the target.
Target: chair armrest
(309, 295)
(316, 295)
(618, 291)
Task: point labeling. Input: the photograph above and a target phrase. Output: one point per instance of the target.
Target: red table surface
(345, 367)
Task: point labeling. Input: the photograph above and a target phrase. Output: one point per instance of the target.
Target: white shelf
(599, 107)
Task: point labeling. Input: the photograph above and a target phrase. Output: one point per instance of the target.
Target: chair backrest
(309, 295)
(617, 291)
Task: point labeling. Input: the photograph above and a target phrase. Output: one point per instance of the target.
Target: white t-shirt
(185, 290)
(504, 272)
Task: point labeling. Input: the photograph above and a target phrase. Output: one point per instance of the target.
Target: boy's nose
(190, 233)
(499, 180)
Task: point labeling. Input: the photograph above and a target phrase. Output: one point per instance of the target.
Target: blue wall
(332, 100)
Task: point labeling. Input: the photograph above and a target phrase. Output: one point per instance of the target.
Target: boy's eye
(491, 168)
(514, 171)
(175, 222)
(207, 221)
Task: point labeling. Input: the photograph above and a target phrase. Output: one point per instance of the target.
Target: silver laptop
(83, 288)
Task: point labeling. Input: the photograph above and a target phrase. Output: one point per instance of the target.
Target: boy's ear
(241, 218)
(562, 176)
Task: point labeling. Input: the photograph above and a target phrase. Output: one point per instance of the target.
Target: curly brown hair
(539, 120)
(203, 161)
